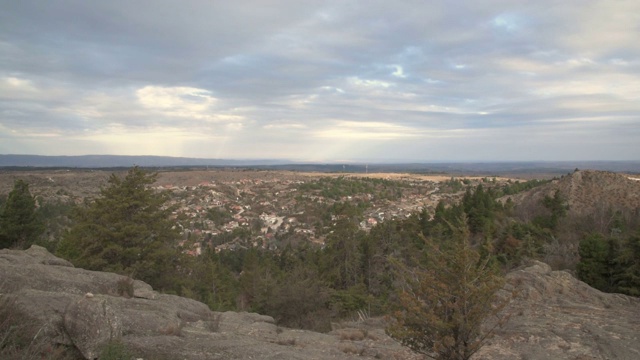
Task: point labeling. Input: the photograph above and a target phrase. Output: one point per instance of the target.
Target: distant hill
(115, 161)
(530, 169)
(587, 192)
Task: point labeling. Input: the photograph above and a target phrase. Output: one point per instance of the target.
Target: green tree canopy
(19, 223)
(557, 207)
(610, 264)
(126, 230)
(628, 280)
(594, 259)
(446, 297)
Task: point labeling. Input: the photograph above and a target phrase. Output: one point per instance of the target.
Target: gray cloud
(322, 80)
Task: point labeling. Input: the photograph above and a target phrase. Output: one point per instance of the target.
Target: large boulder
(91, 324)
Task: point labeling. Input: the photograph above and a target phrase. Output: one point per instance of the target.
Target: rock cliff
(552, 316)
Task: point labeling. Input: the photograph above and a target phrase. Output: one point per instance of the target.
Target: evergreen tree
(212, 282)
(610, 264)
(19, 223)
(342, 261)
(446, 298)
(299, 299)
(594, 259)
(628, 279)
(126, 230)
(557, 207)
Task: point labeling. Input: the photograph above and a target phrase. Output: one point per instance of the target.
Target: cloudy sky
(341, 80)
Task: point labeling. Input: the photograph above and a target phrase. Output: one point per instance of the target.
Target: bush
(125, 287)
(115, 350)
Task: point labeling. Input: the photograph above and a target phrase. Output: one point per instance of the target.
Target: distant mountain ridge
(511, 168)
(111, 161)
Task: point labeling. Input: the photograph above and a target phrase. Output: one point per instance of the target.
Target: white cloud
(398, 71)
(351, 130)
(285, 126)
(368, 84)
(177, 101)
(188, 103)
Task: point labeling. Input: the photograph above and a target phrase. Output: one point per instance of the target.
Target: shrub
(173, 329)
(115, 350)
(125, 287)
(22, 338)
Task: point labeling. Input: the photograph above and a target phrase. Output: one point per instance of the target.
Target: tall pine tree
(126, 230)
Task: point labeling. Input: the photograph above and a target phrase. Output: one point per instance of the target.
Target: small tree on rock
(446, 299)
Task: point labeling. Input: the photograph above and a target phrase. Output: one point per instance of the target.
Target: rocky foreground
(555, 316)
(552, 316)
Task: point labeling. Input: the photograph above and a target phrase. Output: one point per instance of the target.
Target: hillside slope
(586, 192)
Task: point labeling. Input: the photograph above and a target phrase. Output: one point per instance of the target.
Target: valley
(236, 208)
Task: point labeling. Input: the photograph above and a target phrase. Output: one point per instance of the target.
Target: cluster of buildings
(227, 215)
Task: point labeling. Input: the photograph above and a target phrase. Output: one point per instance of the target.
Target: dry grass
(213, 322)
(23, 338)
(124, 287)
(287, 341)
(352, 334)
(351, 348)
(172, 329)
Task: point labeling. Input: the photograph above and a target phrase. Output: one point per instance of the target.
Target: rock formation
(555, 316)
(552, 316)
(87, 309)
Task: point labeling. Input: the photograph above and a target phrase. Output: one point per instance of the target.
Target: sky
(322, 81)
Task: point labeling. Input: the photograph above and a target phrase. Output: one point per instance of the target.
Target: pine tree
(126, 230)
(628, 279)
(19, 223)
(558, 208)
(594, 258)
(446, 298)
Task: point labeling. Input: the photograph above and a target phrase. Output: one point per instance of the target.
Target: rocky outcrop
(552, 315)
(555, 316)
(88, 309)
